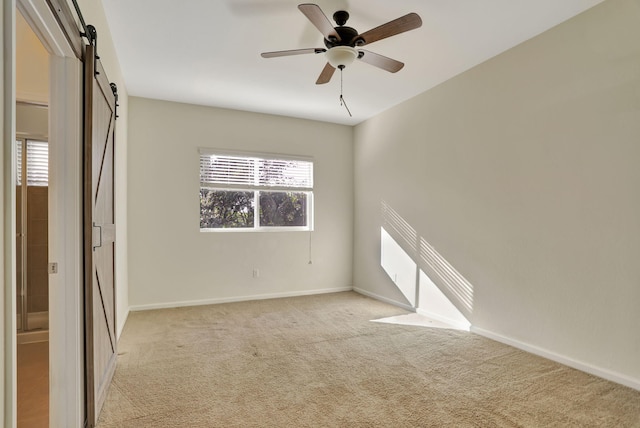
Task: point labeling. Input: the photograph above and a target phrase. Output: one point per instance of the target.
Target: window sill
(258, 229)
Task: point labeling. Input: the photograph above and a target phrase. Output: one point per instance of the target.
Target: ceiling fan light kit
(343, 43)
(341, 56)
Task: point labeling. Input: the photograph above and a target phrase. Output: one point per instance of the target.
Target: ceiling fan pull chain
(342, 101)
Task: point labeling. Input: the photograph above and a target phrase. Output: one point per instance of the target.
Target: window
(37, 162)
(255, 192)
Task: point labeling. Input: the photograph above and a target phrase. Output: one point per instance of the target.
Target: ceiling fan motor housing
(347, 34)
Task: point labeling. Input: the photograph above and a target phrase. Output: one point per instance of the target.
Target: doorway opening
(59, 87)
(32, 217)
(32, 192)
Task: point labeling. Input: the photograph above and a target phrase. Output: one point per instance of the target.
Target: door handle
(99, 235)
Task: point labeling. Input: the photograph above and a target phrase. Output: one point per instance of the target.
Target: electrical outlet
(256, 273)
(53, 268)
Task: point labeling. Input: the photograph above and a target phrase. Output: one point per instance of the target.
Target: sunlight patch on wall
(434, 304)
(426, 279)
(398, 265)
(453, 282)
(398, 225)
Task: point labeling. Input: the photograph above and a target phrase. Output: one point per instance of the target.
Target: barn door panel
(99, 231)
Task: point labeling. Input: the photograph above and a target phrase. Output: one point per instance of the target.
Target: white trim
(135, 308)
(456, 323)
(258, 229)
(8, 391)
(252, 187)
(384, 299)
(66, 345)
(210, 151)
(44, 24)
(567, 361)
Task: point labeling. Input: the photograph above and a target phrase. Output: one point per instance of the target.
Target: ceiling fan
(343, 43)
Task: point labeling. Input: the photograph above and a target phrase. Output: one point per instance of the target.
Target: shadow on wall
(428, 281)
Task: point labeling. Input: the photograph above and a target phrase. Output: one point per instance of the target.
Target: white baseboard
(202, 302)
(36, 320)
(33, 336)
(384, 299)
(579, 365)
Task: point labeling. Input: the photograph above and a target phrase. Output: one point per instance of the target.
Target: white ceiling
(207, 52)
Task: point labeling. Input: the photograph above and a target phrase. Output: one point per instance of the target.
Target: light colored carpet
(319, 361)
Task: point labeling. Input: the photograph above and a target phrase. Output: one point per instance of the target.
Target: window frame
(256, 189)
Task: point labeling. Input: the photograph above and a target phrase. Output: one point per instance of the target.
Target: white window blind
(232, 171)
(37, 163)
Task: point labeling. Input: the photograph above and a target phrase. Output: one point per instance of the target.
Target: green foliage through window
(226, 209)
(283, 209)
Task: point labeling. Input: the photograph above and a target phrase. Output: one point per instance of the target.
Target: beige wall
(523, 174)
(32, 65)
(32, 121)
(94, 14)
(172, 262)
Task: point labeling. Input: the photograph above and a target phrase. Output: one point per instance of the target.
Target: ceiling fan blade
(408, 22)
(325, 76)
(292, 52)
(320, 20)
(380, 61)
